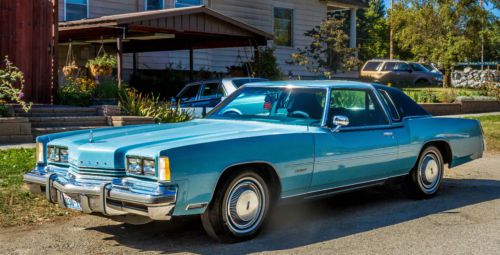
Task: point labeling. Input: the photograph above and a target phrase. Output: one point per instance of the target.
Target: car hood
(106, 148)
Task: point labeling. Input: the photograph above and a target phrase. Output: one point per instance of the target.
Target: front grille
(100, 172)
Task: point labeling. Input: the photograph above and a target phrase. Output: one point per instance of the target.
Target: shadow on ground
(296, 225)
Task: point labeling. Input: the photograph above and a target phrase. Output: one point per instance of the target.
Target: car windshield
(295, 106)
(419, 67)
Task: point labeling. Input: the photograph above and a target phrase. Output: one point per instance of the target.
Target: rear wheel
(425, 178)
(238, 209)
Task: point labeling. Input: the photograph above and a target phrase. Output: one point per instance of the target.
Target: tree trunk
(447, 78)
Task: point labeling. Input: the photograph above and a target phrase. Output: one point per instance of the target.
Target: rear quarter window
(371, 66)
(405, 106)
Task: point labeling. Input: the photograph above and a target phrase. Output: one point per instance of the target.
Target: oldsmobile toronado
(266, 143)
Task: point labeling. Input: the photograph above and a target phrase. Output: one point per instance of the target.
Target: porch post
(191, 66)
(134, 64)
(119, 57)
(352, 28)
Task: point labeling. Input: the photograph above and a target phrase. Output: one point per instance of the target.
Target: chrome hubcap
(429, 172)
(245, 205)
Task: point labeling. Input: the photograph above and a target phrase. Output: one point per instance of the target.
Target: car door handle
(388, 133)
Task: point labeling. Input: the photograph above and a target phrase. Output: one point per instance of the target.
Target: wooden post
(256, 59)
(119, 57)
(134, 64)
(55, 50)
(191, 66)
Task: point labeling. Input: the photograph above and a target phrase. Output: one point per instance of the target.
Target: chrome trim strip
(355, 158)
(196, 206)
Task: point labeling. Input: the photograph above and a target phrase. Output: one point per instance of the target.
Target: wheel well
(265, 170)
(443, 147)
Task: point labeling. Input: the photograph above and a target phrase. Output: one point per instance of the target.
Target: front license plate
(71, 203)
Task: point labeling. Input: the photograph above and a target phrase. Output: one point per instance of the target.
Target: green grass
(17, 205)
(491, 129)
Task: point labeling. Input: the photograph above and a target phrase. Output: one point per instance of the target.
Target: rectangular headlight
(57, 154)
(134, 165)
(149, 167)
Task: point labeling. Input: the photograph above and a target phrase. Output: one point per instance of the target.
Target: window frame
(377, 99)
(202, 2)
(197, 98)
(87, 5)
(161, 8)
(292, 27)
(390, 103)
(211, 97)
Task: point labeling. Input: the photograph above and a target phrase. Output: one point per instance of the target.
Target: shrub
(136, 104)
(107, 89)
(10, 75)
(76, 92)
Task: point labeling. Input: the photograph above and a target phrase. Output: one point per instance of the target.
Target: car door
(210, 95)
(363, 151)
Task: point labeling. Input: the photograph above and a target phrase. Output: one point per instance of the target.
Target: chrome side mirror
(339, 121)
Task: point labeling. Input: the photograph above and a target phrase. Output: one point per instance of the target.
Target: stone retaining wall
(462, 107)
(15, 130)
(118, 121)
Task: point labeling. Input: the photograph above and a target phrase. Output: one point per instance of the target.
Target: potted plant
(70, 69)
(102, 65)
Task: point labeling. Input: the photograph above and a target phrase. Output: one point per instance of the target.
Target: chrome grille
(101, 172)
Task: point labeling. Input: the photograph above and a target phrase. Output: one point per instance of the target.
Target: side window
(388, 101)
(75, 9)
(360, 106)
(371, 66)
(153, 5)
(210, 90)
(283, 26)
(389, 66)
(402, 67)
(190, 93)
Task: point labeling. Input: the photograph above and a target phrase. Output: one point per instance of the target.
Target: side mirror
(339, 121)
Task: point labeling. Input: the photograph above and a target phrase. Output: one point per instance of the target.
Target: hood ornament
(91, 137)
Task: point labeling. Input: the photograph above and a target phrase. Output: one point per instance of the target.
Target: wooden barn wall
(27, 35)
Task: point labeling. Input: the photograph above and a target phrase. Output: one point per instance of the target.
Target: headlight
(134, 165)
(57, 154)
(149, 167)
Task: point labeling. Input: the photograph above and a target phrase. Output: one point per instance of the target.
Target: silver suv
(399, 73)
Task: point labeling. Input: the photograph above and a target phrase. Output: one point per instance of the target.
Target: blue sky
(496, 11)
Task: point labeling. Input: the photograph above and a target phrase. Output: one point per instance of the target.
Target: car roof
(313, 84)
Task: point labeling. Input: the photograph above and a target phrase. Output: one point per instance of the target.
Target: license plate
(71, 203)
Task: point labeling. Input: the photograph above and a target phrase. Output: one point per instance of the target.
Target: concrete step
(82, 121)
(50, 130)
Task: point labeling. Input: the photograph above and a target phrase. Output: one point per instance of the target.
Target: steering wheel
(299, 114)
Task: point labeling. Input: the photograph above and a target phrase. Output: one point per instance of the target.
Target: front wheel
(238, 209)
(426, 177)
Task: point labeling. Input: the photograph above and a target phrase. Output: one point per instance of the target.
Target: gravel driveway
(463, 219)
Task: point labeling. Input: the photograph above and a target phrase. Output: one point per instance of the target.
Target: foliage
(3, 109)
(107, 89)
(448, 95)
(136, 104)
(328, 51)
(17, 205)
(491, 130)
(76, 91)
(373, 31)
(9, 76)
(103, 60)
(443, 32)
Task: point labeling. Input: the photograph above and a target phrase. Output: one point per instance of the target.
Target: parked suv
(210, 93)
(402, 73)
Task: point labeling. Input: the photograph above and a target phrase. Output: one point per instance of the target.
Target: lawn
(491, 129)
(17, 205)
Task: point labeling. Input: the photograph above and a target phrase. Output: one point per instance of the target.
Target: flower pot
(70, 70)
(100, 71)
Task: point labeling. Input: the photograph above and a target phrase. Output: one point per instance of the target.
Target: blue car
(266, 143)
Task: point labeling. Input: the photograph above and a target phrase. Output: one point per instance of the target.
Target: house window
(153, 5)
(283, 26)
(76, 9)
(186, 3)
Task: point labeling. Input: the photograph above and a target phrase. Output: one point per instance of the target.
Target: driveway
(463, 219)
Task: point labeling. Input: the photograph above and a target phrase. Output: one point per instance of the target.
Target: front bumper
(120, 196)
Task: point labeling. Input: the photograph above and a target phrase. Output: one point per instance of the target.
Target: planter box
(118, 121)
(443, 109)
(15, 130)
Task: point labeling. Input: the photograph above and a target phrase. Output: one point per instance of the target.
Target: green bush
(3, 110)
(10, 75)
(134, 103)
(75, 92)
(107, 89)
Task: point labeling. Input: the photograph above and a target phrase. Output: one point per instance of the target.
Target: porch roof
(165, 30)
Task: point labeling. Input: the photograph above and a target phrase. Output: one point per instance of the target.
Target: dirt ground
(463, 219)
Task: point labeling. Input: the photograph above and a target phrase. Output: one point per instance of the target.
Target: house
(287, 20)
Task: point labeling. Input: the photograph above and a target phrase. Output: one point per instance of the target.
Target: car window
(401, 67)
(190, 93)
(240, 82)
(389, 66)
(405, 106)
(360, 106)
(211, 90)
(418, 67)
(392, 107)
(372, 66)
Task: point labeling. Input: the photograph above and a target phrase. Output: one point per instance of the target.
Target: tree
(373, 31)
(439, 31)
(328, 51)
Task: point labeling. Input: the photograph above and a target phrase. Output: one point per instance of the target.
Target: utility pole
(391, 33)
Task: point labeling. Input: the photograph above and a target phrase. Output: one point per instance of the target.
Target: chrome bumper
(110, 198)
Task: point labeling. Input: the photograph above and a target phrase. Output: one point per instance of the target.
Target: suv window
(372, 66)
(190, 93)
(396, 66)
(360, 106)
(211, 90)
(418, 67)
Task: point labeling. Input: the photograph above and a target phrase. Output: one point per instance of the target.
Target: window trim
(292, 28)
(146, 5)
(386, 95)
(65, 13)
